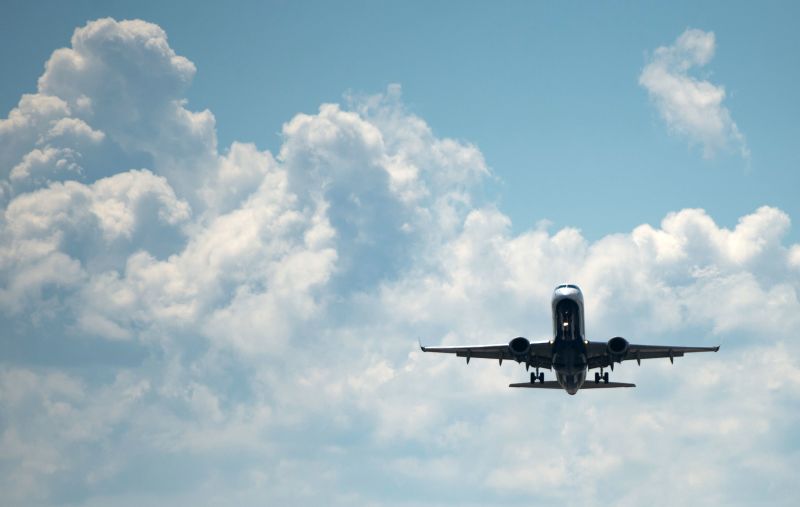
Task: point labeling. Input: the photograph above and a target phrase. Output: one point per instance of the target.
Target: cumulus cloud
(193, 327)
(112, 101)
(691, 107)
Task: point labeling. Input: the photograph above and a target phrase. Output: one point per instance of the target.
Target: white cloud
(55, 238)
(691, 107)
(794, 257)
(111, 102)
(239, 322)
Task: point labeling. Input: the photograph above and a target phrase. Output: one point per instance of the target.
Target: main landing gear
(537, 375)
(601, 376)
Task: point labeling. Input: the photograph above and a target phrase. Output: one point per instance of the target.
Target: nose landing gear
(537, 375)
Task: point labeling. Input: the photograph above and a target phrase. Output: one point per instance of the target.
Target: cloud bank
(189, 326)
(691, 107)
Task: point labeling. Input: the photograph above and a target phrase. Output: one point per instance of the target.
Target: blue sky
(548, 93)
(223, 229)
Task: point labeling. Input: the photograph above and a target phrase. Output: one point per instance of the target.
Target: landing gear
(600, 376)
(537, 376)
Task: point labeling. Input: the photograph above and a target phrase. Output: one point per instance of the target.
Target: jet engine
(519, 348)
(617, 347)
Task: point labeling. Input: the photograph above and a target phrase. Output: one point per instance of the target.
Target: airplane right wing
(539, 354)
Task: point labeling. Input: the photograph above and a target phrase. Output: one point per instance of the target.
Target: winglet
(716, 349)
(420, 344)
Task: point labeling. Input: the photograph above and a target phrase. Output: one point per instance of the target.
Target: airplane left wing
(539, 354)
(599, 355)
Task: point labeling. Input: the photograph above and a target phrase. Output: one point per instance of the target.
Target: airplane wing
(599, 357)
(552, 384)
(539, 354)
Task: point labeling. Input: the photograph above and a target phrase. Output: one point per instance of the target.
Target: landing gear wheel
(596, 377)
(533, 378)
(541, 377)
(605, 377)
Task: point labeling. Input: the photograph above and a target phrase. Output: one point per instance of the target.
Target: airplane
(569, 353)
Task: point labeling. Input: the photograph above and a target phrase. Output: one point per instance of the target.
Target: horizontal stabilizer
(552, 384)
(549, 384)
(603, 385)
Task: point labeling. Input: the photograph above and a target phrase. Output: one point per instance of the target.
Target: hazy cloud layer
(691, 107)
(184, 326)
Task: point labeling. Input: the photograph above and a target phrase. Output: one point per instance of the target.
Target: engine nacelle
(617, 347)
(519, 347)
